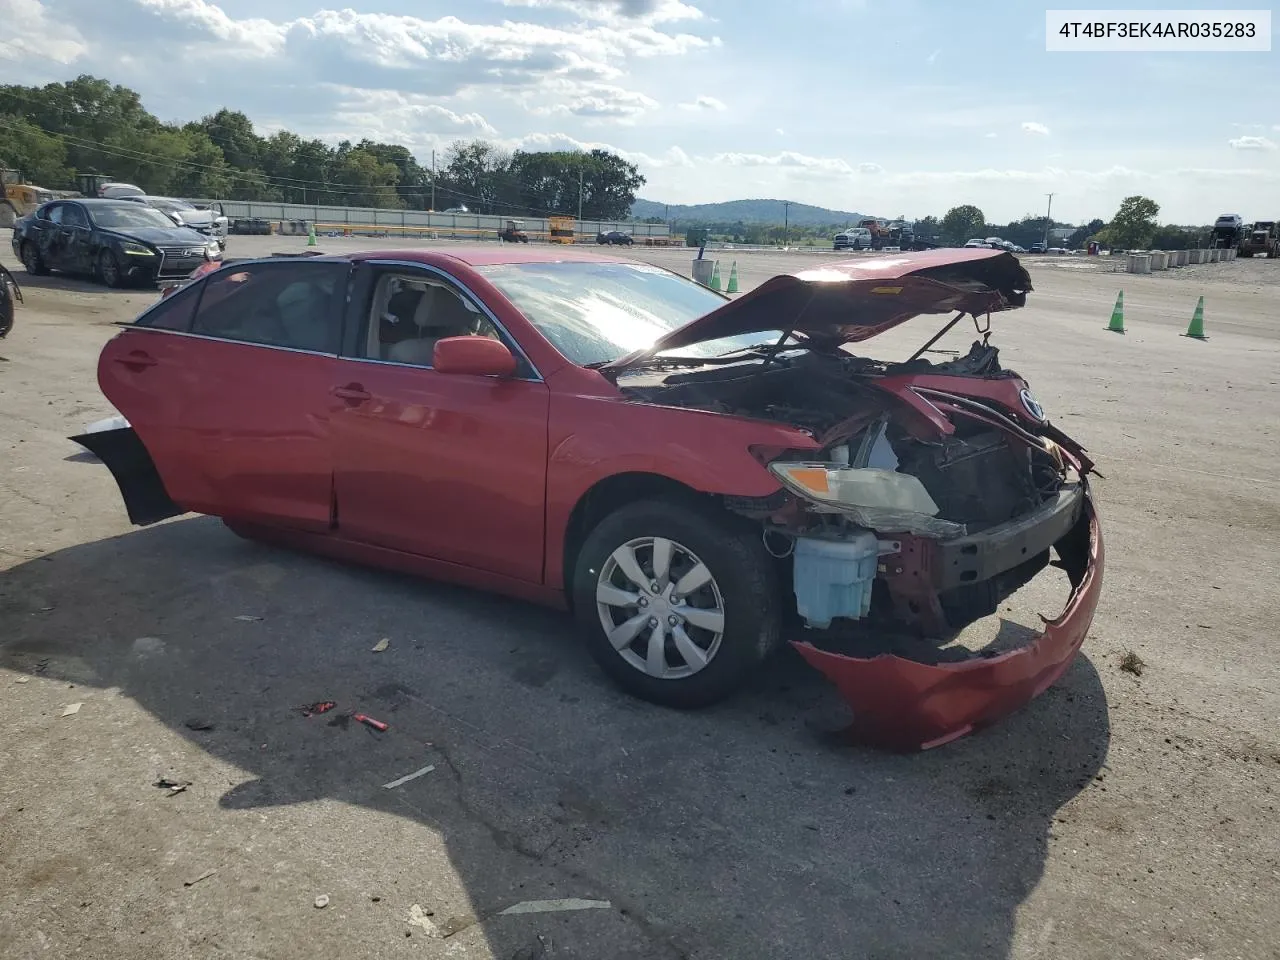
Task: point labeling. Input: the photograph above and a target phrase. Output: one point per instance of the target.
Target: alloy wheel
(660, 607)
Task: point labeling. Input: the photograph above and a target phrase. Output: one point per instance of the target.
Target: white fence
(372, 220)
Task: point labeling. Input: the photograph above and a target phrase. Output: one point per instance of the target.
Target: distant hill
(746, 211)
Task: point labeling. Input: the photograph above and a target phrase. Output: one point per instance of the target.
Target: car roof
(484, 256)
(102, 202)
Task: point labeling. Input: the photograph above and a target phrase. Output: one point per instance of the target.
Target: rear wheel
(679, 606)
(32, 262)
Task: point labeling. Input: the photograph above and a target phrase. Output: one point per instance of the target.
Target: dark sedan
(615, 238)
(115, 241)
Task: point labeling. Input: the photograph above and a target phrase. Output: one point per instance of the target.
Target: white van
(117, 191)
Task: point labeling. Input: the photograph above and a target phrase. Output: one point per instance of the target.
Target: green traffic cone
(715, 276)
(311, 234)
(1117, 315)
(1196, 329)
(733, 279)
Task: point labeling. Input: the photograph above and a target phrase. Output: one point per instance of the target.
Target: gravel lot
(1117, 816)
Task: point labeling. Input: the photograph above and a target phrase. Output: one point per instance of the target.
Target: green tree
(962, 223)
(1134, 225)
(41, 158)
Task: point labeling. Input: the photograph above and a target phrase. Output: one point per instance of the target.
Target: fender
(705, 451)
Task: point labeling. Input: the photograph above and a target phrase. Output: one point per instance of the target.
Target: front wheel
(109, 269)
(679, 605)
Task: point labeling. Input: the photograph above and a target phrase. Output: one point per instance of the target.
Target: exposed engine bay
(809, 388)
(893, 520)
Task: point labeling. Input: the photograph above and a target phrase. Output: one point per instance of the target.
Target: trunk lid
(853, 300)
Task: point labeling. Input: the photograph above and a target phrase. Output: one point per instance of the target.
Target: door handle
(137, 359)
(353, 392)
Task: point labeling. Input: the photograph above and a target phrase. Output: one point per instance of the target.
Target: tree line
(89, 125)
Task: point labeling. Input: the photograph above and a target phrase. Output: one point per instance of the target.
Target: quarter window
(281, 304)
(174, 312)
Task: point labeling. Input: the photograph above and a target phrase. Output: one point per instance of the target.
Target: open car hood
(853, 300)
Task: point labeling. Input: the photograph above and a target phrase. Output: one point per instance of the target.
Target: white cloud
(671, 157)
(870, 169)
(1030, 126)
(30, 32)
(391, 117)
(646, 11)
(704, 103)
(786, 159)
(990, 136)
(1251, 143)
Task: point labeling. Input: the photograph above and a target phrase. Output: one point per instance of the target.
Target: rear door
(447, 466)
(228, 390)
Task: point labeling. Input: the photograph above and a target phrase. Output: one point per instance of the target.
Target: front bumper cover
(902, 704)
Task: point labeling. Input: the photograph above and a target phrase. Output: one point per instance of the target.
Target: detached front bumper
(903, 704)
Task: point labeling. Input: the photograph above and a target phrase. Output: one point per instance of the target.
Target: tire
(109, 271)
(32, 262)
(743, 584)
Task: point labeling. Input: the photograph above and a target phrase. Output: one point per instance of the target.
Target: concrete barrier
(1139, 263)
(1159, 260)
(1195, 256)
(1215, 255)
(1182, 257)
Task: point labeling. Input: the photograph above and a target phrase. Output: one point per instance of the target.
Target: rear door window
(296, 304)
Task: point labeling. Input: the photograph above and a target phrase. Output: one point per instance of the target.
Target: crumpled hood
(852, 300)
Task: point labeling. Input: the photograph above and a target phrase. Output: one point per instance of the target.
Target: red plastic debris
(368, 721)
(320, 706)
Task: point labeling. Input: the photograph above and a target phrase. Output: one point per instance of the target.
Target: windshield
(131, 215)
(597, 312)
(167, 204)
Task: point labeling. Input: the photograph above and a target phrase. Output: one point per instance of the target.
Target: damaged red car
(699, 480)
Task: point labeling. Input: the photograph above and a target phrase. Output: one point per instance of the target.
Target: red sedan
(698, 479)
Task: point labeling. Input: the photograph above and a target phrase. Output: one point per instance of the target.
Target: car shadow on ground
(76, 283)
(738, 831)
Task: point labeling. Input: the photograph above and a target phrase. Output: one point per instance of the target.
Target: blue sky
(880, 106)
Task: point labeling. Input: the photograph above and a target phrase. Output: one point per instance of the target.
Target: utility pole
(579, 194)
(786, 223)
(433, 181)
(1047, 221)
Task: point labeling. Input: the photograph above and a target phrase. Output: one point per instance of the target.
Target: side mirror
(476, 356)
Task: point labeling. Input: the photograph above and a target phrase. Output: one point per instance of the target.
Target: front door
(229, 394)
(447, 466)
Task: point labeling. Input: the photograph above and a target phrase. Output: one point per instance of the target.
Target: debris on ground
(534, 951)
(1132, 663)
(71, 709)
(248, 618)
(369, 721)
(422, 919)
(198, 723)
(555, 906)
(42, 665)
(381, 645)
(204, 876)
(322, 901)
(409, 776)
(22, 680)
(173, 786)
(320, 706)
